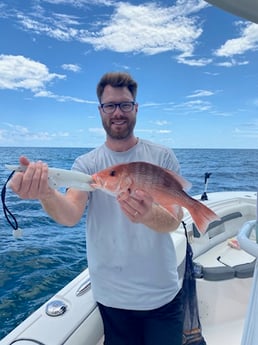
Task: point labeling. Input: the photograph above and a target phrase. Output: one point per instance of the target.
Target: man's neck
(121, 145)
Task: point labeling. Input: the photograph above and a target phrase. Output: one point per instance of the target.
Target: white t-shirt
(131, 266)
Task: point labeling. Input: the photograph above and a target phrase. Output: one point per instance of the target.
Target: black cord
(34, 341)
(8, 214)
(184, 226)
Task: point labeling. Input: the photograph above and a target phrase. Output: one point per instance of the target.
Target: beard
(116, 131)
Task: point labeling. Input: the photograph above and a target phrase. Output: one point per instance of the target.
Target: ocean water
(49, 255)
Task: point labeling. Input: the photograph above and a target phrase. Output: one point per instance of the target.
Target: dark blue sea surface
(49, 255)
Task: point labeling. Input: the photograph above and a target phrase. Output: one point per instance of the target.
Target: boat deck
(232, 332)
(223, 255)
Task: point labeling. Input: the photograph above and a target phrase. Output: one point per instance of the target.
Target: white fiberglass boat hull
(223, 287)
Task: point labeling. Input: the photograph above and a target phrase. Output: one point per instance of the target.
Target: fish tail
(202, 215)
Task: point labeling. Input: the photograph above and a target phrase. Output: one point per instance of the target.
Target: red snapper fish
(165, 187)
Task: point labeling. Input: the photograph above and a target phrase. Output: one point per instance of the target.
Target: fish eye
(113, 173)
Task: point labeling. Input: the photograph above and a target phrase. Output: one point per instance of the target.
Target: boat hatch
(56, 308)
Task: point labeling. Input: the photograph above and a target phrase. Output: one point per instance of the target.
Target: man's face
(118, 124)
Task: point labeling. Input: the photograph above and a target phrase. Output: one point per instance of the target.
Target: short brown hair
(117, 79)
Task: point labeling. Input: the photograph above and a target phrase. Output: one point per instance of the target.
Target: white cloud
(247, 41)
(232, 62)
(247, 130)
(148, 28)
(154, 104)
(164, 131)
(97, 130)
(18, 72)
(161, 123)
(55, 26)
(201, 93)
(80, 3)
(71, 67)
(184, 59)
(60, 98)
(196, 106)
(13, 134)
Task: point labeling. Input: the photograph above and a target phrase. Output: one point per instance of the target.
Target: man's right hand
(33, 183)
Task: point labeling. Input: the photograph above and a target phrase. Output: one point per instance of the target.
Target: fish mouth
(97, 182)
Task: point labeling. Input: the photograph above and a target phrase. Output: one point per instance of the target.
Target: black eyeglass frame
(120, 105)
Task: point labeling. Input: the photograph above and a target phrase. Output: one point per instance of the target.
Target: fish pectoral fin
(126, 190)
(171, 209)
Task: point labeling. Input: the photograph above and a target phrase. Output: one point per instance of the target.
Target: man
(131, 257)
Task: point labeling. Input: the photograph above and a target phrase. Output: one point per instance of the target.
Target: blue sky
(196, 66)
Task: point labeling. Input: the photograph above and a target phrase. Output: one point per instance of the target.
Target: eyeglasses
(109, 108)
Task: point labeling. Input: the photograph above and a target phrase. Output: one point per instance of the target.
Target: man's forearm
(64, 209)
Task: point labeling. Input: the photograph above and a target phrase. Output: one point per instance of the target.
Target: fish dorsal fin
(186, 185)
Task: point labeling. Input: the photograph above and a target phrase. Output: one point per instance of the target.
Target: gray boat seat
(218, 273)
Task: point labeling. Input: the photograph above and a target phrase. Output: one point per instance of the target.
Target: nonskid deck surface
(222, 254)
(227, 333)
(223, 308)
